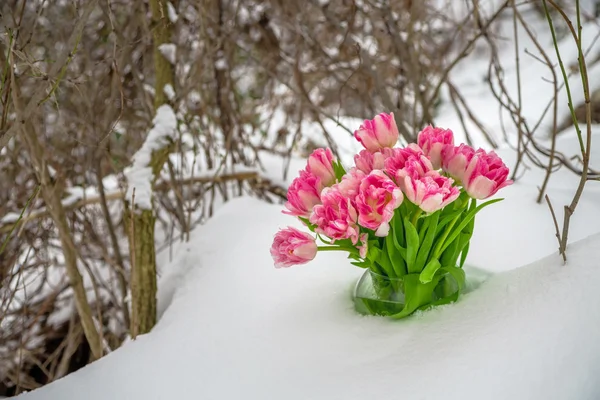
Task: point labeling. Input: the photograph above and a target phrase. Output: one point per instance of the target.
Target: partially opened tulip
(401, 158)
(485, 175)
(303, 194)
(378, 133)
(320, 164)
(432, 141)
(431, 192)
(482, 174)
(377, 199)
(293, 247)
(455, 160)
(367, 161)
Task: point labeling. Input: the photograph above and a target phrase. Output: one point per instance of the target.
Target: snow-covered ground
(236, 328)
(233, 327)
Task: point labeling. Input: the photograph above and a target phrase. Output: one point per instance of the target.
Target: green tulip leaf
(412, 245)
(429, 271)
(398, 229)
(338, 170)
(450, 255)
(458, 274)
(416, 294)
(386, 263)
(427, 242)
(361, 264)
(423, 230)
(470, 215)
(396, 257)
(306, 222)
(446, 220)
(463, 255)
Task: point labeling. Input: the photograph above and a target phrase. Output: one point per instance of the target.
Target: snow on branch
(168, 50)
(169, 91)
(173, 17)
(139, 174)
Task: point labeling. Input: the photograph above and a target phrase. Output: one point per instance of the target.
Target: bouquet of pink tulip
(405, 214)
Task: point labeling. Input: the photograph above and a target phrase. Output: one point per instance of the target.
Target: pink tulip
(292, 247)
(350, 183)
(431, 192)
(412, 155)
(320, 165)
(336, 217)
(303, 194)
(367, 161)
(377, 199)
(378, 133)
(482, 174)
(485, 175)
(432, 141)
(455, 160)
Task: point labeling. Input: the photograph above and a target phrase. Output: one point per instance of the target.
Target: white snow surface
(169, 51)
(139, 174)
(233, 327)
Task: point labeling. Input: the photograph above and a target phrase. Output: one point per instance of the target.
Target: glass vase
(376, 294)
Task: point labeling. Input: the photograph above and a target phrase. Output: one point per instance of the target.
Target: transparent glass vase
(376, 294)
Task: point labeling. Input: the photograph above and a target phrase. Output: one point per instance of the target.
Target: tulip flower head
(292, 247)
(378, 133)
(377, 199)
(432, 141)
(482, 174)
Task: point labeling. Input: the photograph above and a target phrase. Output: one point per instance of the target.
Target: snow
(173, 17)
(149, 88)
(139, 174)
(168, 50)
(10, 217)
(221, 64)
(169, 91)
(530, 223)
(232, 326)
(194, 98)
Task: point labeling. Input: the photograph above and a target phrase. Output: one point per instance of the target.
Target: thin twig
(585, 148)
(5, 242)
(557, 229)
(520, 141)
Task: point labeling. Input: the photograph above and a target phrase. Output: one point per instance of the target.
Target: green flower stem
(376, 269)
(323, 240)
(351, 250)
(416, 216)
(333, 248)
(440, 242)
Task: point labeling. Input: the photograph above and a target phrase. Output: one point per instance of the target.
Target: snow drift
(238, 328)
